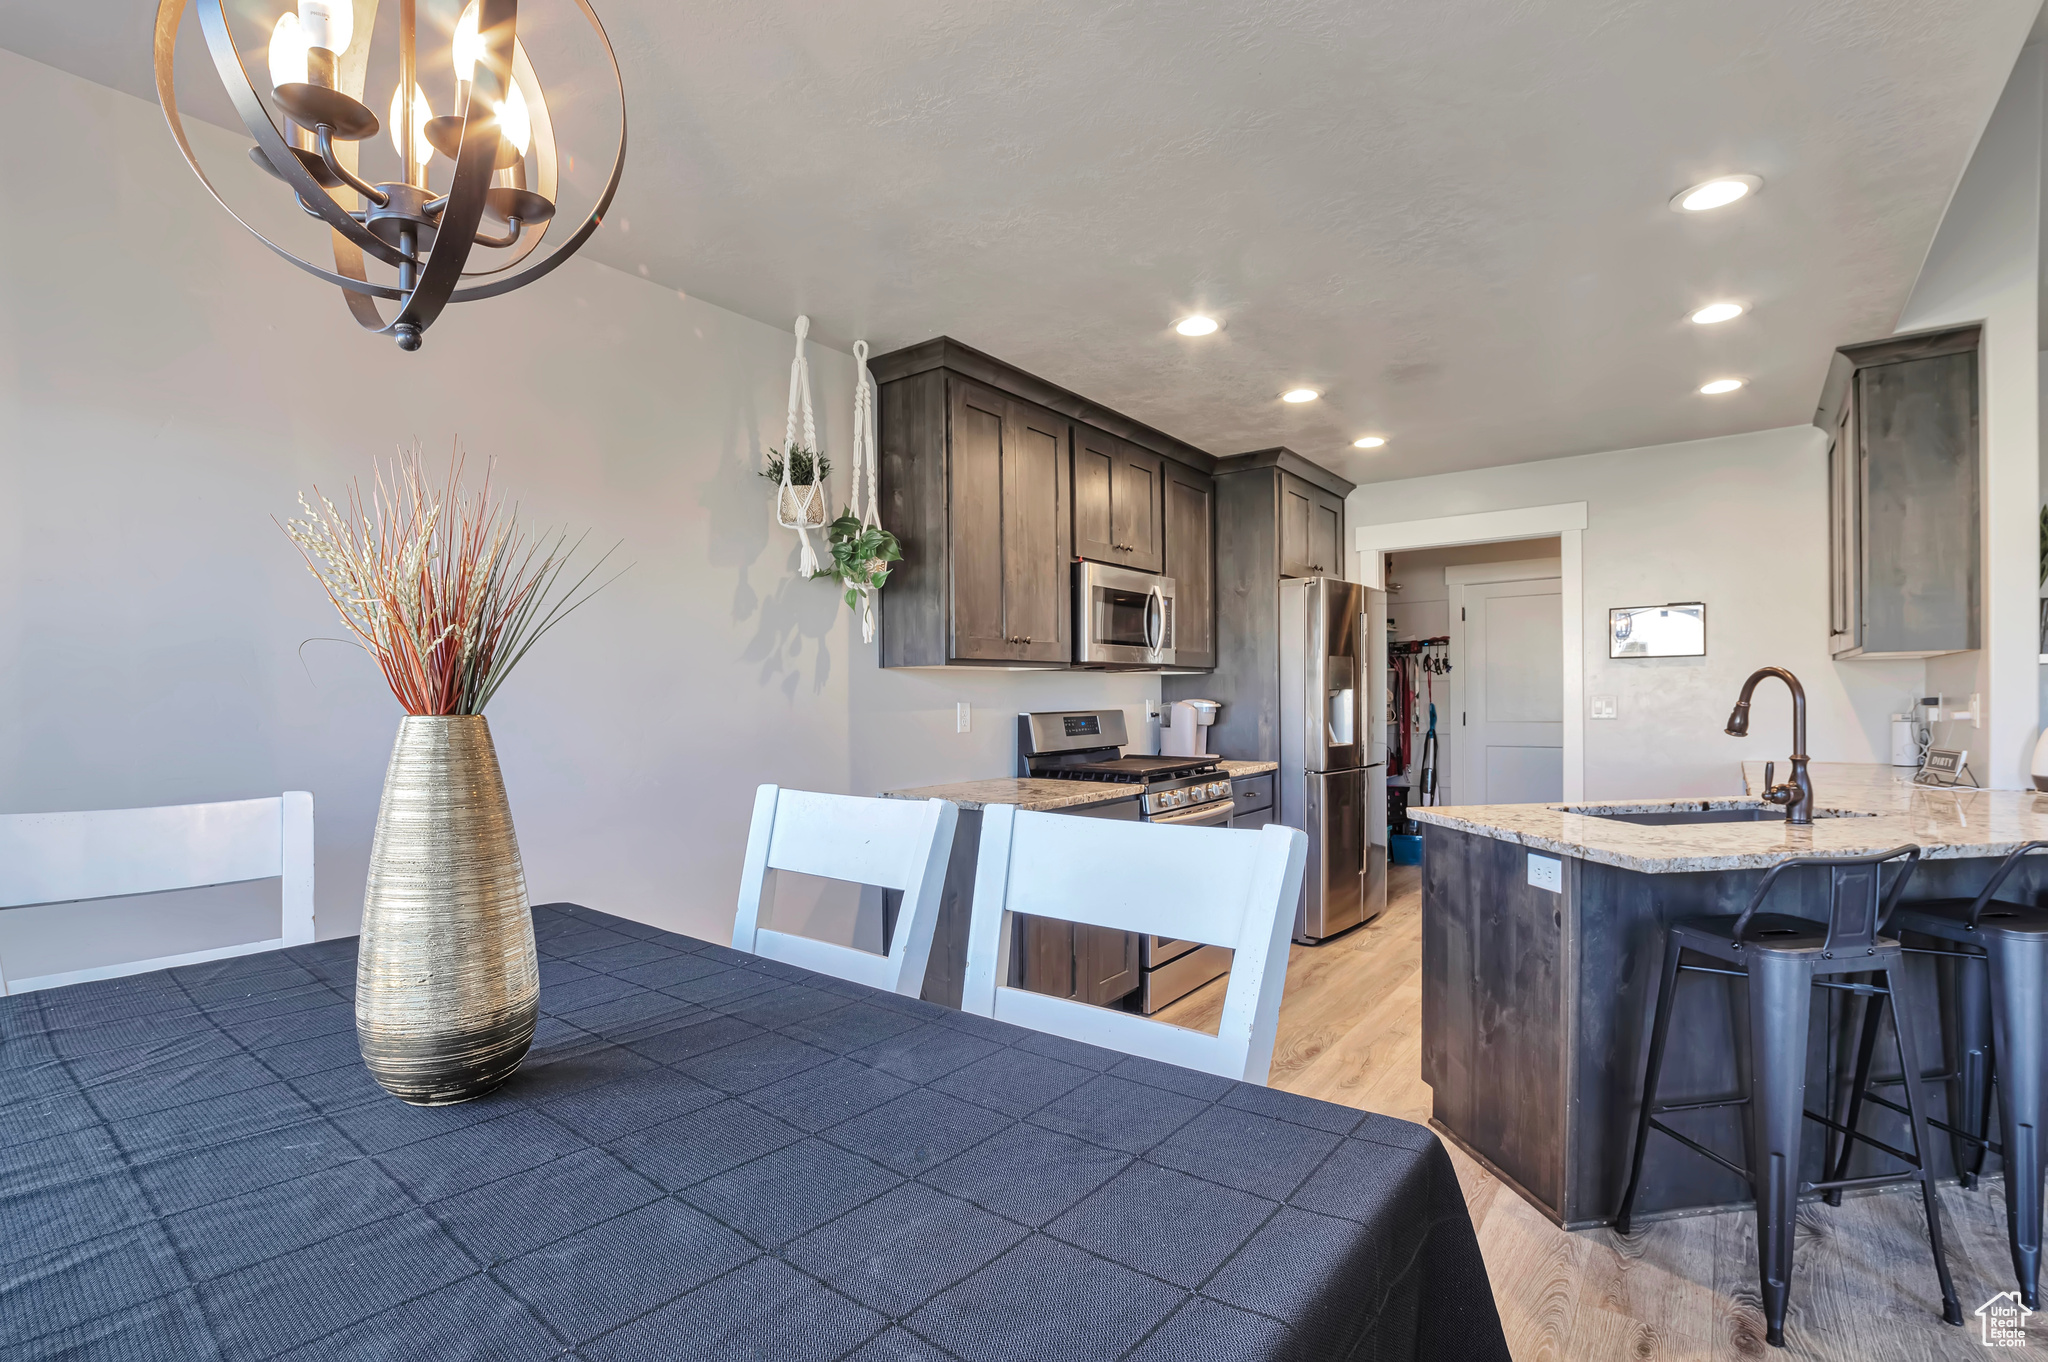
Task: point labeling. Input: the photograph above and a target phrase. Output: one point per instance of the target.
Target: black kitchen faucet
(1797, 794)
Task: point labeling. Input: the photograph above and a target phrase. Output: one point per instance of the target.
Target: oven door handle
(1155, 619)
(1216, 813)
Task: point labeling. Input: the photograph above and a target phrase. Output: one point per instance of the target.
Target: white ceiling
(1450, 216)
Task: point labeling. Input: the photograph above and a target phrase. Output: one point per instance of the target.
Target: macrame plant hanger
(864, 476)
(801, 509)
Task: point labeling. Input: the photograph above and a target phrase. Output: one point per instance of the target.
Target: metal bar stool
(2001, 954)
(1783, 959)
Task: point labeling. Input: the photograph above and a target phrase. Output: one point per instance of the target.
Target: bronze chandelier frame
(428, 238)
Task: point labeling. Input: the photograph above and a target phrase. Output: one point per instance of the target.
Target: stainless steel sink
(1672, 818)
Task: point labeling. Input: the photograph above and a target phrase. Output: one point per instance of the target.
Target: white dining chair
(884, 843)
(1216, 886)
(112, 853)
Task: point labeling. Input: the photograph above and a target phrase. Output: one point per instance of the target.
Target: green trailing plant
(861, 554)
(2044, 545)
(807, 468)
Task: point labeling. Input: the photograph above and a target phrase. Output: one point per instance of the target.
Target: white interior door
(1510, 744)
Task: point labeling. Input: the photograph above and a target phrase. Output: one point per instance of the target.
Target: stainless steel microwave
(1122, 618)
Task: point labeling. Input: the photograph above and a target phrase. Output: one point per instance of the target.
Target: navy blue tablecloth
(706, 1156)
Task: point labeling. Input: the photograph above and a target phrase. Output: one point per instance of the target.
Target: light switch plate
(1546, 872)
(1604, 707)
(963, 717)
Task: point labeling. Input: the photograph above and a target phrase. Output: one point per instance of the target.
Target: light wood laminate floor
(1863, 1283)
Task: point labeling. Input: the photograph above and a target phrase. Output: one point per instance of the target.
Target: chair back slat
(1184, 884)
(896, 844)
(1853, 892)
(75, 857)
(1998, 876)
(65, 857)
(1212, 885)
(1858, 903)
(845, 837)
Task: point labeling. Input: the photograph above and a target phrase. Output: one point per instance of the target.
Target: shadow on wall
(796, 610)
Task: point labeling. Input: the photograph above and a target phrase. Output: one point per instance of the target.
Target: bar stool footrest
(1965, 1136)
(1910, 1160)
(1696, 1147)
(1852, 1184)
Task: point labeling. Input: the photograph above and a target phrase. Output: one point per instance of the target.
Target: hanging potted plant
(448, 592)
(798, 468)
(861, 554)
(860, 548)
(801, 474)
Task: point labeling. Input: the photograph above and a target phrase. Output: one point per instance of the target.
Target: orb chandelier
(497, 184)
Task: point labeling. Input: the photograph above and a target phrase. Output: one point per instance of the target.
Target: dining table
(706, 1155)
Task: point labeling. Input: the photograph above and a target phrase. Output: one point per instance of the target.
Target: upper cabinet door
(1191, 562)
(1095, 457)
(1117, 502)
(1297, 532)
(979, 416)
(1135, 507)
(1038, 592)
(1326, 534)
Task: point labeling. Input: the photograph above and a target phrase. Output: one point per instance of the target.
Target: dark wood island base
(1536, 1003)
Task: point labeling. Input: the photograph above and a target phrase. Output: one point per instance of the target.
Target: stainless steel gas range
(1185, 791)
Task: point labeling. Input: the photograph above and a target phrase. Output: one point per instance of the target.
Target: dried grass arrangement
(444, 587)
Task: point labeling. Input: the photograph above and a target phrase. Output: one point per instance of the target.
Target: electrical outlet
(1152, 710)
(1976, 710)
(1604, 707)
(1546, 872)
(963, 717)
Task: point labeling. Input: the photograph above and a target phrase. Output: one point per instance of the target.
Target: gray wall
(1740, 523)
(167, 386)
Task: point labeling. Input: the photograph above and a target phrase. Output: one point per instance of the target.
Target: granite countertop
(1025, 792)
(1862, 808)
(1238, 770)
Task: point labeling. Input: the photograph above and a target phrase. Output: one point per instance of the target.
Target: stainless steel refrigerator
(1333, 748)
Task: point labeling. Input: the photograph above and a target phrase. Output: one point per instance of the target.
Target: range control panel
(1187, 796)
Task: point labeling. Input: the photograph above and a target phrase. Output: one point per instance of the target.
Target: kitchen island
(1536, 999)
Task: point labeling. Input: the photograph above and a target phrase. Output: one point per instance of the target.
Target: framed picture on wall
(1675, 630)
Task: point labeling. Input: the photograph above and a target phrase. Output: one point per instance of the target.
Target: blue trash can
(1405, 848)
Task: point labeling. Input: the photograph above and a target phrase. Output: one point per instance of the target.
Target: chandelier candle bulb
(328, 24)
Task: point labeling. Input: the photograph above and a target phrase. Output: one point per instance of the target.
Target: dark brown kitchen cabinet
(997, 481)
(1904, 573)
(1089, 964)
(975, 483)
(1190, 558)
(1311, 530)
(1117, 505)
(1278, 515)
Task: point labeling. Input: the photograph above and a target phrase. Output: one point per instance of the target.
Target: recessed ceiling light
(1715, 193)
(1196, 326)
(1720, 385)
(1369, 442)
(1717, 312)
(1300, 395)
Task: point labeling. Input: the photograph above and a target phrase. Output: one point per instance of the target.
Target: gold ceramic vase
(447, 981)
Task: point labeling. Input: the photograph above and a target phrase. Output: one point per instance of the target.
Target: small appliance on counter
(1189, 791)
(1184, 731)
(1906, 745)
